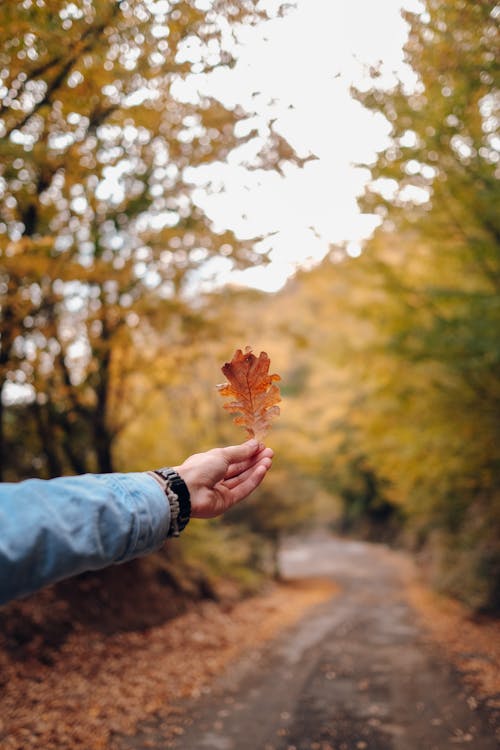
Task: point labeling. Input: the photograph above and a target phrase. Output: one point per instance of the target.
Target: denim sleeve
(53, 529)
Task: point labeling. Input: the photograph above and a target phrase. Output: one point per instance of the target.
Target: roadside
(98, 684)
(357, 672)
(361, 669)
(471, 642)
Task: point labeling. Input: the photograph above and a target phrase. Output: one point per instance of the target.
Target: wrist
(178, 497)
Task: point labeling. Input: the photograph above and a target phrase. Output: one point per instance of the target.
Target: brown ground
(360, 671)
(471, 642)
(91, 688)
(96, 684)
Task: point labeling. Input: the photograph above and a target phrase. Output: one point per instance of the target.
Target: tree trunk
(48, 440)
(102, 434)
(77, 463)
(103, 451)
(2, 440)
(275, 551)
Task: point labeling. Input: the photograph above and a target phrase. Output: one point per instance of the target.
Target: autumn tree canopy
(99, 230)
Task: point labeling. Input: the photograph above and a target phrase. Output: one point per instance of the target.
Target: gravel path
(357, 673)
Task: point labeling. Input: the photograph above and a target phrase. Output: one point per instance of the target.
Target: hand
(221, 477)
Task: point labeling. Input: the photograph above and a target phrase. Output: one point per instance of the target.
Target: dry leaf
(254, 391)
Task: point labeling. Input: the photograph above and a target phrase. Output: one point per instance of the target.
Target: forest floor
(79, 684)
(382, 665)
(351, 653)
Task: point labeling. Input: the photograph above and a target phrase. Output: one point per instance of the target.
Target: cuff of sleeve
(150, 512)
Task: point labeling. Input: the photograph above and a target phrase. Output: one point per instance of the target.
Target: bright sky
(302, 67)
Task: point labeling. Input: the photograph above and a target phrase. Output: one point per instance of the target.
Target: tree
(99, 229)
(439, 178)
(432, 275)
(283, 505)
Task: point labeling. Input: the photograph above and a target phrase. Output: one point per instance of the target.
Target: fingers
(238, 467)
(237, 453)
(253, 477)
(235, 480)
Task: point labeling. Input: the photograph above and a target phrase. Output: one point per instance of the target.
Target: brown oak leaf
(254, 391)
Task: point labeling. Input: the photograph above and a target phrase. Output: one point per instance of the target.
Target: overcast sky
(302, 67)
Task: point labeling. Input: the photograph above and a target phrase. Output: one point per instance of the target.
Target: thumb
(233, 453)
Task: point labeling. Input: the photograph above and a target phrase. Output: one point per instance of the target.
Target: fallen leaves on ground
(471, 642)
(98, 685)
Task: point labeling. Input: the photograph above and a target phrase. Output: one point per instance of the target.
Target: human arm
(53, 529)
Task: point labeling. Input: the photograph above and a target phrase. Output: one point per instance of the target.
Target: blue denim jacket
(52, 529)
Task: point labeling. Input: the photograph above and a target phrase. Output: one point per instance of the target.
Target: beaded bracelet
(180, 504)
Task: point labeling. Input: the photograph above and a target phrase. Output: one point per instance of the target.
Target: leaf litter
(99, 686)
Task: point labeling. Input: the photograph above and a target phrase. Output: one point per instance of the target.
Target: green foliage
(431, 414)
(466, 561)
(224, 553)
(285, 504)
(391, 360)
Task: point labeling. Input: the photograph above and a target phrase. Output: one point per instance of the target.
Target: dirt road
(356, 674)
